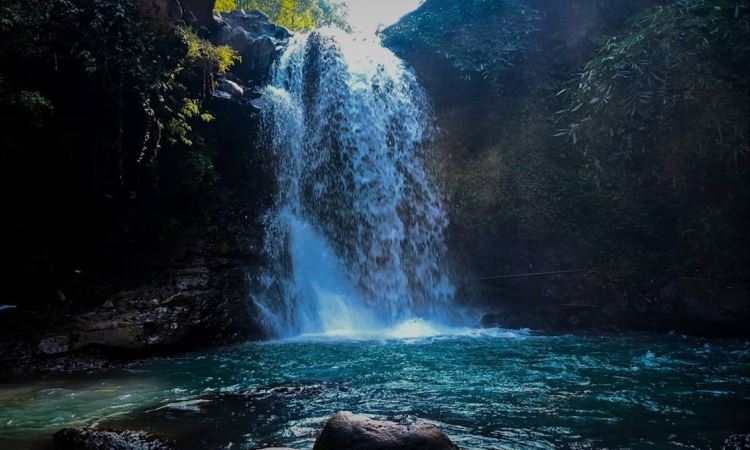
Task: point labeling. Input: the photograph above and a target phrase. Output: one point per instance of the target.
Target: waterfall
(354, 241)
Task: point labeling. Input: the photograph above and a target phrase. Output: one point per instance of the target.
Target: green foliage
(650, 163)
(297, 15)
(32, 104)
(106, 79)
(194, 169)
(683, 68)
(212, 58)
(661, 117)
(482, 37)
(225, 5)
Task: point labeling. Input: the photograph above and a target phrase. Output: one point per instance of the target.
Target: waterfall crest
(354, 240)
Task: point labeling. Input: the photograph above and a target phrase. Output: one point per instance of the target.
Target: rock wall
(190, 291)
(495, 144)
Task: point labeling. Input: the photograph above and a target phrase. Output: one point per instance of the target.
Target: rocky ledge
(191, 290)
(192, 308)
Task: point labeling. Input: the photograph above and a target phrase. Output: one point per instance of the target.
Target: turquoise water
(498, 390)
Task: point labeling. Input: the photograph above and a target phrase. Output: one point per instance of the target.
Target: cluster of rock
(199, 306)
(257, 41)
(344, 431)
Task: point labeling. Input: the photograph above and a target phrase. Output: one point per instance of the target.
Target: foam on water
(354, 241)
(411, 330)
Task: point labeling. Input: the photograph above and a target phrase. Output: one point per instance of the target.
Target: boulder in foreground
(347, 431)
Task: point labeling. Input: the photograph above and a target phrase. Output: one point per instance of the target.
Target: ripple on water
(492, 390)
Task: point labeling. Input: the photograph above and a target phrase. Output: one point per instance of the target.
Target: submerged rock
(347, 431)
(93, 439)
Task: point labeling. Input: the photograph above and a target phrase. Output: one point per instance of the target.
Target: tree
(478, 37)
(661, 115)
(297, 15)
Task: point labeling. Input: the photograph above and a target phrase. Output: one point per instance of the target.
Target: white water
(355, 238)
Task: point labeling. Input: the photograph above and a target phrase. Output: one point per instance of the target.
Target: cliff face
(520, 198)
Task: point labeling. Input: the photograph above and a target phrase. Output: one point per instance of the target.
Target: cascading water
(355, 238)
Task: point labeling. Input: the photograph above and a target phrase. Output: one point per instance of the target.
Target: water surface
(487, 390)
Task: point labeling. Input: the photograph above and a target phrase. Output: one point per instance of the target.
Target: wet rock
(180, 310)
(347, 431)
(238, 39)
(256, 23)
(93, 439)
(231, 88)
(222, 95)
(256, 39)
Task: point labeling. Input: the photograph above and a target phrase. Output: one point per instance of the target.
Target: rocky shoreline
(196, 307)
(343, 431)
